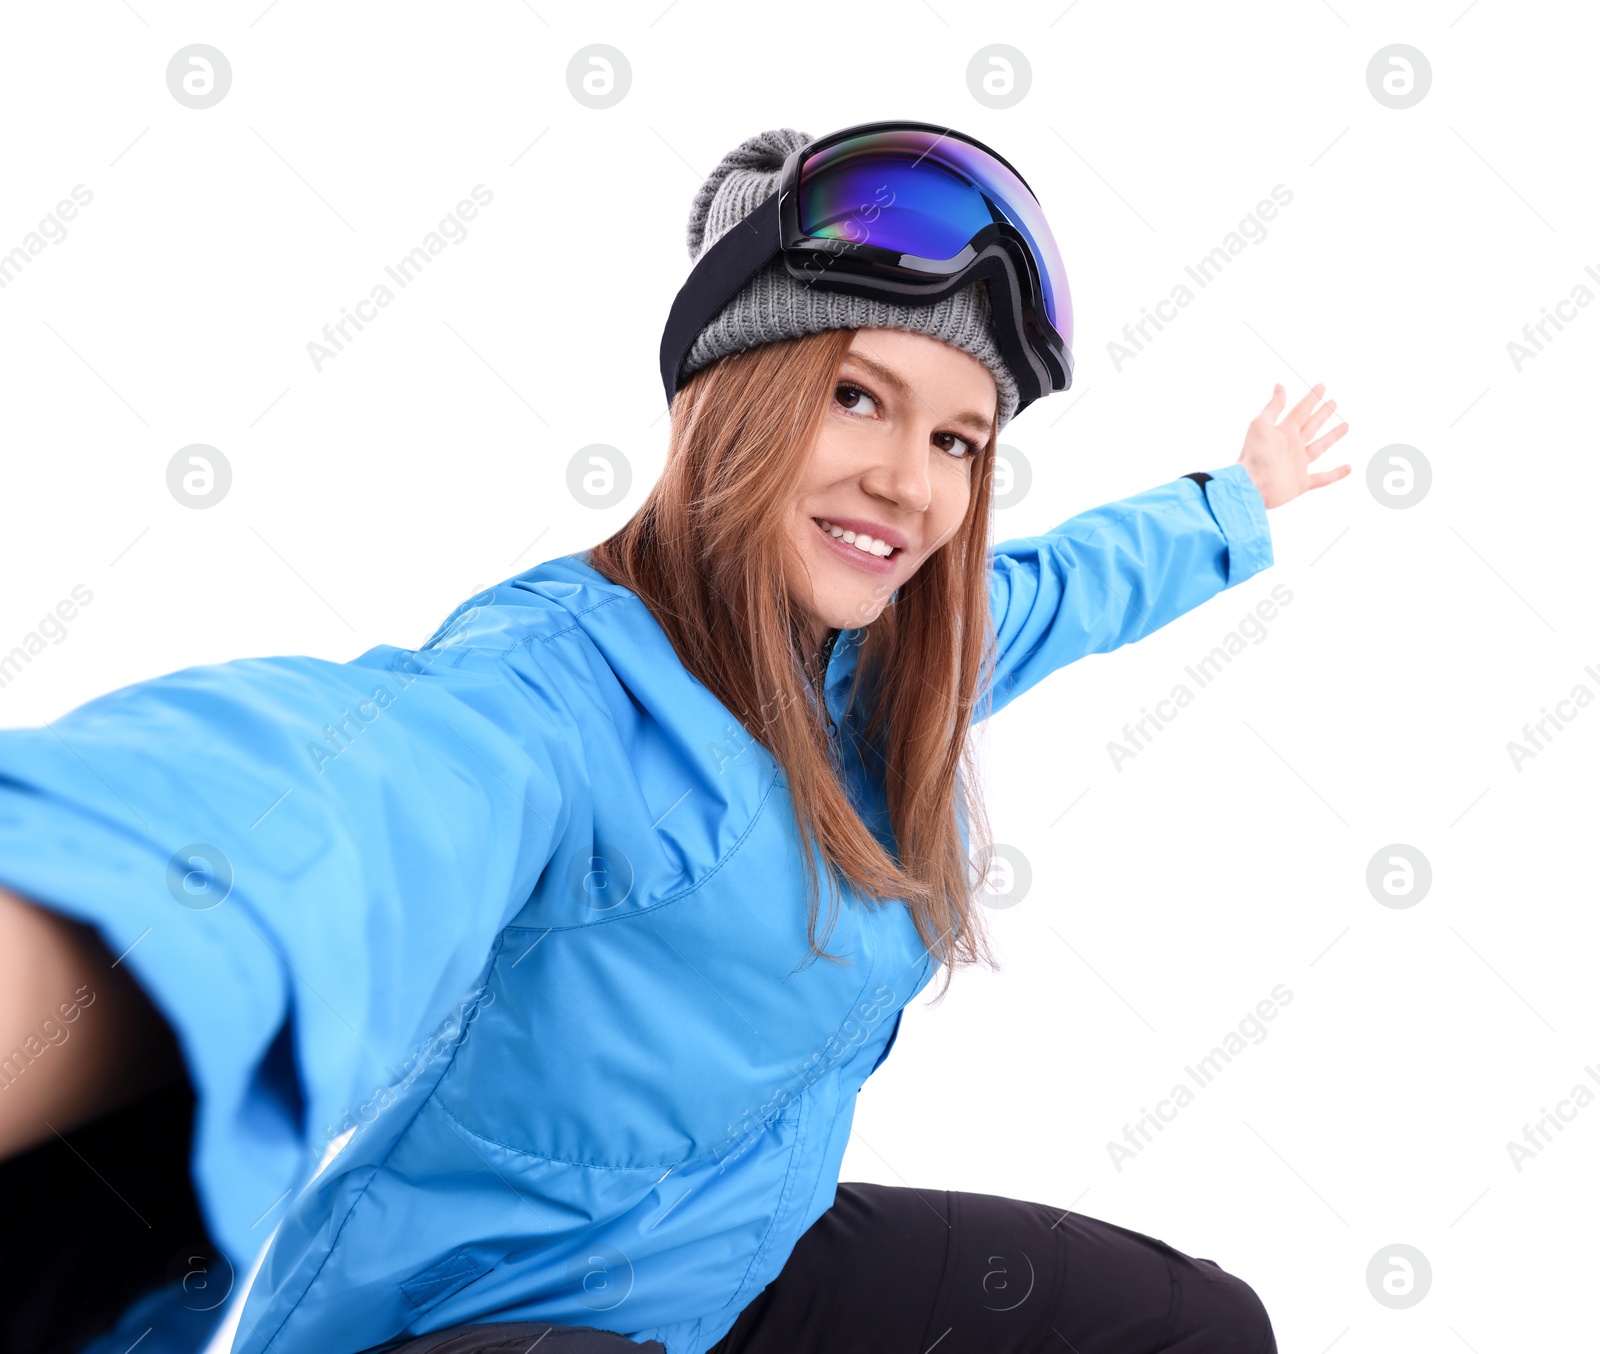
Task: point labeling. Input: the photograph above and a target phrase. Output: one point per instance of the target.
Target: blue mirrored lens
(926, 194)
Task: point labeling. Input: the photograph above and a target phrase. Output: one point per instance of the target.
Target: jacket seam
(705, 879)
(529, 638)
(784, 1194)
(540, 1156)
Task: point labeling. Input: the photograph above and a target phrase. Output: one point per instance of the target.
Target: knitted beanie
(773, 305)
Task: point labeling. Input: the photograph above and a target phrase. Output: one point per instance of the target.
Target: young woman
(522, 984)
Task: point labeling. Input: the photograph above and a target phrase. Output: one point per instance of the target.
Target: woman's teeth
(864, 543)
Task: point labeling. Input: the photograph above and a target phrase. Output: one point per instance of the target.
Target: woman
(524, 982)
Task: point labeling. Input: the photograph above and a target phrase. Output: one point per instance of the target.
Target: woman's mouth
(865, 552)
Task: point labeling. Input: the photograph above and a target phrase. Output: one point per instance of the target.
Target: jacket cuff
(1237, 505)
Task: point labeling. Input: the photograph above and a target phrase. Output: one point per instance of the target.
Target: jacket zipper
(822, 694)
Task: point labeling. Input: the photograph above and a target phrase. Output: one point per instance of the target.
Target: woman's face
(906, 422)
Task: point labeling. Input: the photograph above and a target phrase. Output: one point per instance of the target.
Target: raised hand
(1277, 455)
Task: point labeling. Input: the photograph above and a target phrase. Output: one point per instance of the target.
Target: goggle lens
(926, 194)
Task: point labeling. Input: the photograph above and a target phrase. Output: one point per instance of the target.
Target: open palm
(1278, 455)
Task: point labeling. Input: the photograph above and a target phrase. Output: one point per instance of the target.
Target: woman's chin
(853, 609)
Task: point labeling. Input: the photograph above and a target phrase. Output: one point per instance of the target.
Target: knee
(1232, 1313)
(1255, 1325)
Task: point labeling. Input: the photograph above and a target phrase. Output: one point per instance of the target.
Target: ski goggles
(906, 212)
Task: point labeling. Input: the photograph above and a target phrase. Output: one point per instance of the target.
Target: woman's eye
(966, 447)
(850, 396)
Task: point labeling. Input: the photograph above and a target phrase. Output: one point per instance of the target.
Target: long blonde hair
(709, 553)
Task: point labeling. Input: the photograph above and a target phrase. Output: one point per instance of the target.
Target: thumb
(1274, 406)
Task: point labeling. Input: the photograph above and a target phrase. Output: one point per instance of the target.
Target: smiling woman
(550, 868)
(875, 430)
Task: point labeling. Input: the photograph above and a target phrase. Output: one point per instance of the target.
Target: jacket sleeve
(1115, 573)
(304, 863)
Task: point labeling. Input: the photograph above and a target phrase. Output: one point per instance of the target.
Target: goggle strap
(717, 277)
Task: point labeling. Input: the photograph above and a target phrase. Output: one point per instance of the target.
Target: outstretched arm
(1116, 573)
(301, 865)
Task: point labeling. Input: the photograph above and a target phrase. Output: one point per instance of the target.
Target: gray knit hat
(773, 305)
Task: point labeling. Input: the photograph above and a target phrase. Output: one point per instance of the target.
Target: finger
(1271, 409)
(1317, 418)
(1298, 413)
(1325, 441)
(1323, 477)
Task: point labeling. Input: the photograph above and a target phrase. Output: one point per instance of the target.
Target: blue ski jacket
(486, 959)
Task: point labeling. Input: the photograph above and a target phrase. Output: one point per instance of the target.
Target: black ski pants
(891, 1270)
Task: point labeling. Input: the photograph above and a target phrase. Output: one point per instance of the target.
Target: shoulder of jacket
(539, 605)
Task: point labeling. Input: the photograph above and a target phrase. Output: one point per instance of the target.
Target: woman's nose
(900, 473)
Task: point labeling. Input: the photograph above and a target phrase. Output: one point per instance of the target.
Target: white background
(1168, 897)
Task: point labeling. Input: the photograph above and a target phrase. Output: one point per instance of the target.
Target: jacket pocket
(434, 1284)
